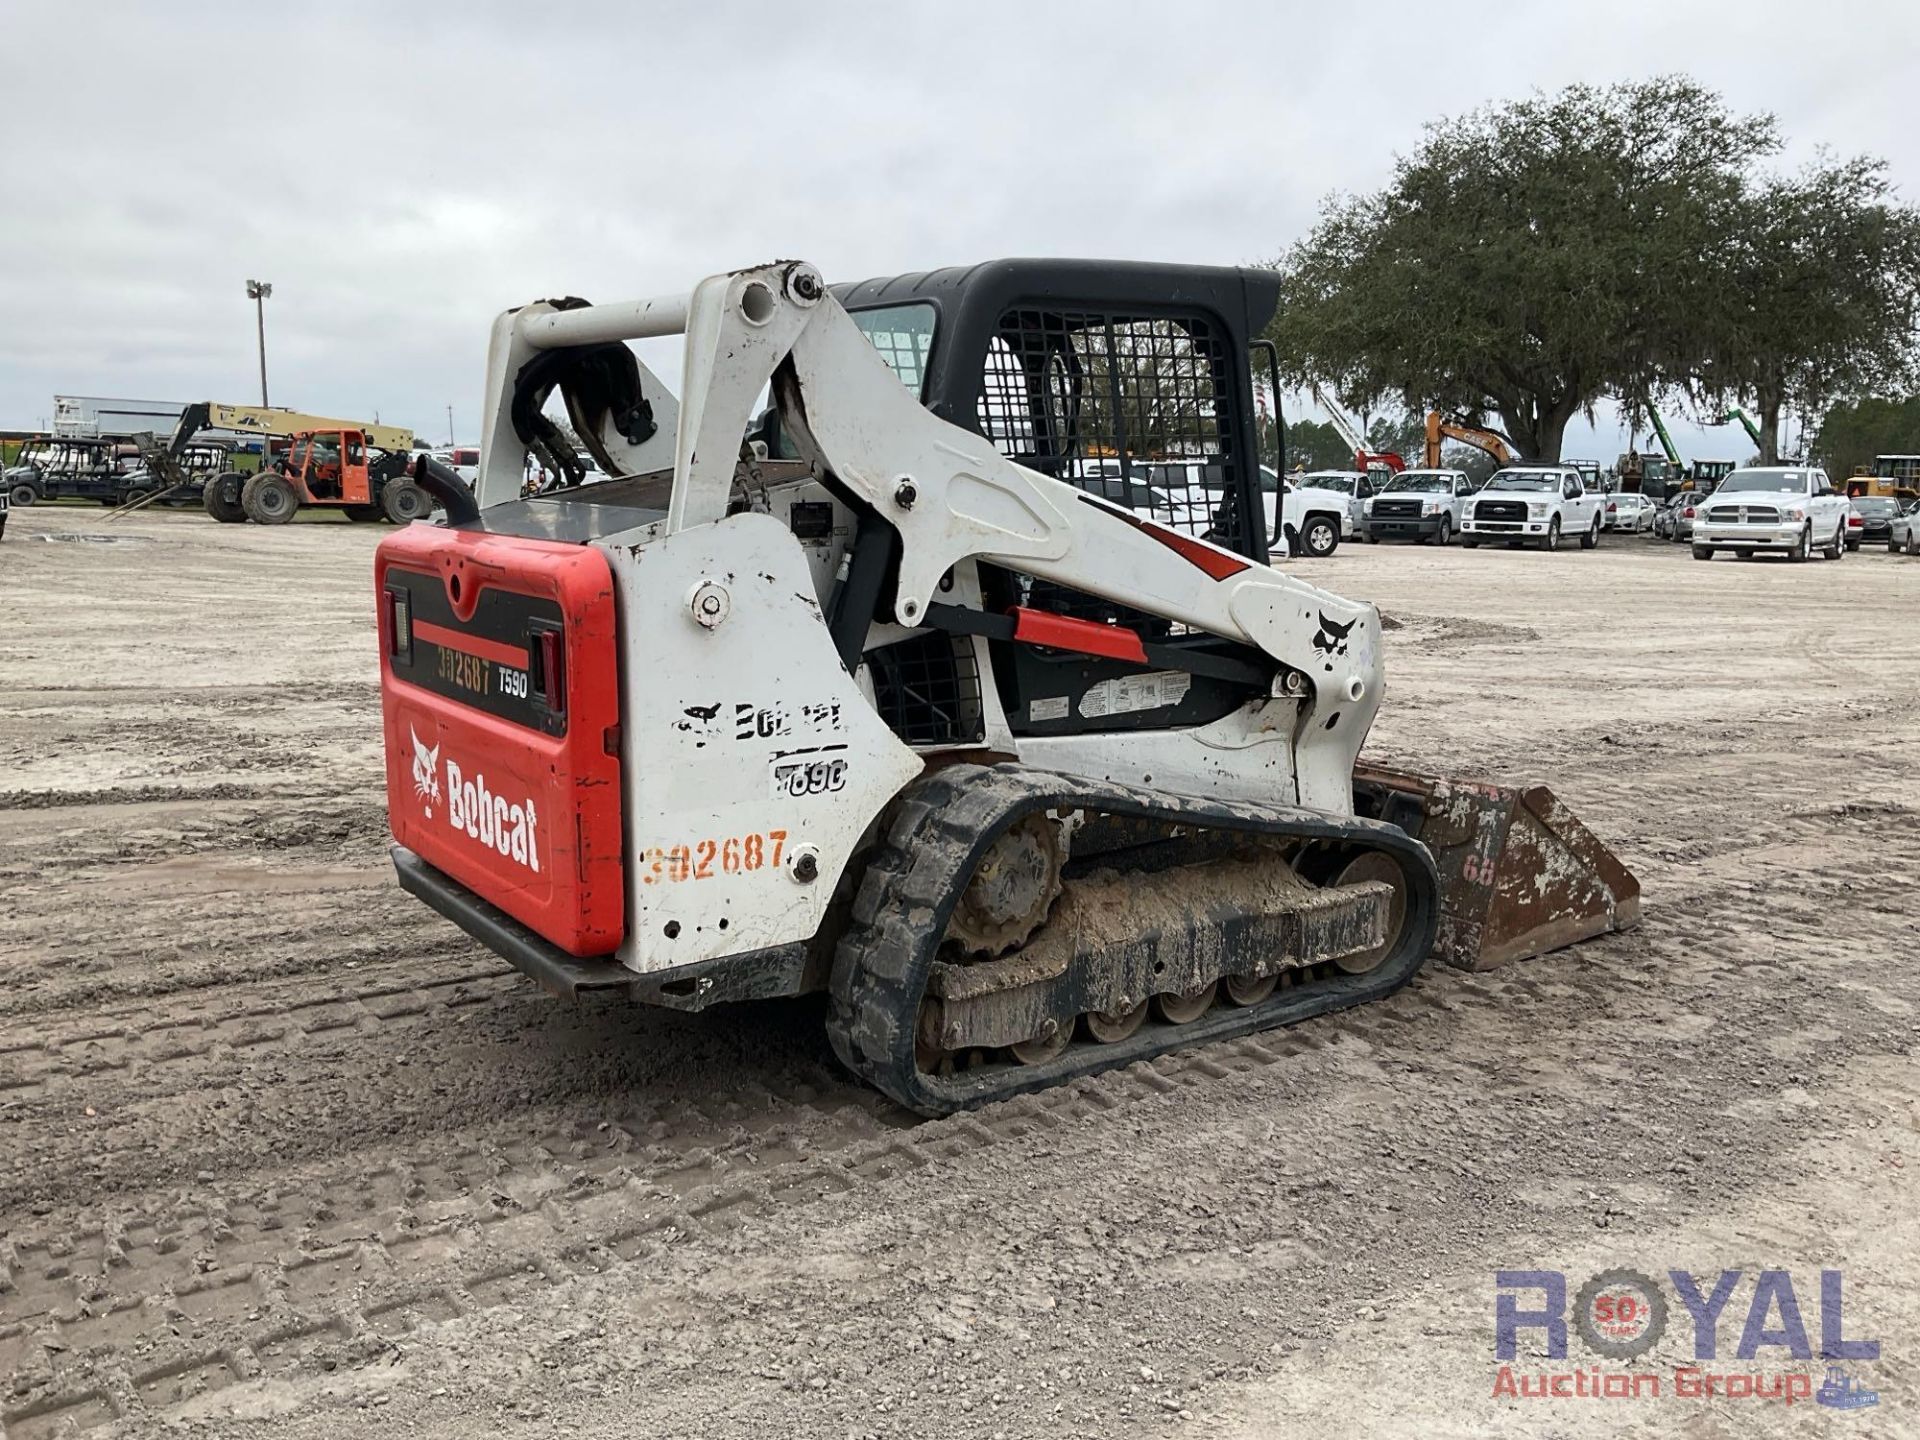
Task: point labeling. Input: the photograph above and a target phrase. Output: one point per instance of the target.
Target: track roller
(1290, 912)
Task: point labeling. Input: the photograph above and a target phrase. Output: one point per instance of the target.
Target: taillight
(1855, 520)
(547, 659)
(396, 623)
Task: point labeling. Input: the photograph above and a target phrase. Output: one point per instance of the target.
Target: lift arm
(1363, 458)
(1439, 427)
(1342, 426)
(1666, 441)
(276, 424)
(1746, 423)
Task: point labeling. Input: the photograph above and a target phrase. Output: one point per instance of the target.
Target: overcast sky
(402, 171)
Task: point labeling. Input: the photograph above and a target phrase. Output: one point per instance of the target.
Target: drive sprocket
(1011, 890)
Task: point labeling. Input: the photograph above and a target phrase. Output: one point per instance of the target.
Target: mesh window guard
(927, 689)
(1135, 409)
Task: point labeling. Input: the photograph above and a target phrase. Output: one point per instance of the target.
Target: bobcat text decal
(508, 826)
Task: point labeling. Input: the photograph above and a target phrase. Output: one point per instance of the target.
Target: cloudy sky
(402, 171)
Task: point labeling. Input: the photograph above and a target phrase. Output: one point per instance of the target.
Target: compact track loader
(917, 688)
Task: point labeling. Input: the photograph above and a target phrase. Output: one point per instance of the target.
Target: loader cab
(1088, 370)
(329, 467)
(1131, 382)
(206, 457)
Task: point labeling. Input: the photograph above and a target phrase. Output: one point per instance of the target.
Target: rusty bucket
(1519, 874)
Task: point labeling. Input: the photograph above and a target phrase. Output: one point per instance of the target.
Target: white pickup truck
(1423, 505)
(1538, 504)
(1313, 518)
(1785, 508)
(1188, 494)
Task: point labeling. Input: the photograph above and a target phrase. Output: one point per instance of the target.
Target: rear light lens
(396, 620)
(547, 656)
(1855, 520)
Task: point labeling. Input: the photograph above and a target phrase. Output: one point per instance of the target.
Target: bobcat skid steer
(922, 686)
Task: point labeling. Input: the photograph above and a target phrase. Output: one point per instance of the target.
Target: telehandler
(358, 466)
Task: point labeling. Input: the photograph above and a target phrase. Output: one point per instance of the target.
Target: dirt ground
(283, 1154)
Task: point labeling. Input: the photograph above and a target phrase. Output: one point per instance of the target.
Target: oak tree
(1528, 259)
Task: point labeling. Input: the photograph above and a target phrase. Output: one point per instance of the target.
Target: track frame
(939, 829)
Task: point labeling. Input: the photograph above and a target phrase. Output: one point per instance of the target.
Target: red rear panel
(499, 695)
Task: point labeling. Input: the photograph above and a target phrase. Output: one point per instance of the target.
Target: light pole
(258, 291)
(452, 439)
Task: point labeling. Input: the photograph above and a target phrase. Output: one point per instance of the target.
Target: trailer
(100, 417)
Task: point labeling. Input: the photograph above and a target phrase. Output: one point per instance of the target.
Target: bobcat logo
(426, 779)
(1330, 640)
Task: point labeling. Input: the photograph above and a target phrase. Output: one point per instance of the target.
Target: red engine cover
(499, 694)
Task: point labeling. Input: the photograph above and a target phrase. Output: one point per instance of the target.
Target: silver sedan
(1904, 537)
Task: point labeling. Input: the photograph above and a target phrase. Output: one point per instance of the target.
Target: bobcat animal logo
(1332, 636)
(426, 777)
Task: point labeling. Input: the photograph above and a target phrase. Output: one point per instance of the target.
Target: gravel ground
(284, 1153)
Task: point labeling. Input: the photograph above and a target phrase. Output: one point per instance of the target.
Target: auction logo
(1622, 1314)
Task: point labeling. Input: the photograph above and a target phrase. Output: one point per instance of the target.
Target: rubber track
(940, 829)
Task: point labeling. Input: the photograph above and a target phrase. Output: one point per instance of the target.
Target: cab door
(1580, 506)
(356, 486)
(295, 466)
(1462, 488)
(1836, 500)
(318, 467)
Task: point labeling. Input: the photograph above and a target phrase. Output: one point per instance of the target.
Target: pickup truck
(1423, 505)
(1534, 503)
(1312, 520)
(1188, 494)
(1357, 487)
(1788, 509)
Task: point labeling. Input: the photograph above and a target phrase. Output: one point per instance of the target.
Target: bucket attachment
(1519, 875)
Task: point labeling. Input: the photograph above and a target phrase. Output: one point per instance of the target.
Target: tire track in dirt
(317, 1272)
(557, 1161)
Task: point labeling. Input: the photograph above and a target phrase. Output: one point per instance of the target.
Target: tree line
(1627, 243)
